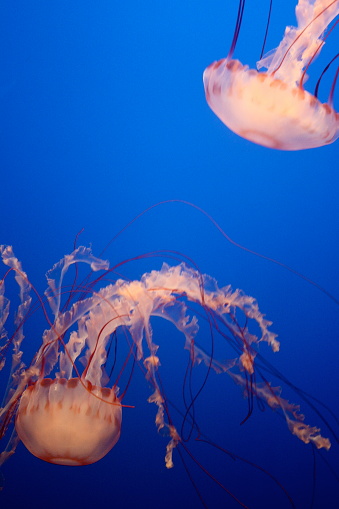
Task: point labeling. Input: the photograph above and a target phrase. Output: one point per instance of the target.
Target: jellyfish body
(272, 108)
(75, 420)
(61, 421)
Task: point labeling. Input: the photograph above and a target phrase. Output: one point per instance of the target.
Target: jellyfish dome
(61, 421)
(272, 108)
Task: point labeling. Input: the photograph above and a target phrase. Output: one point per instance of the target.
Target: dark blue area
(103, 114)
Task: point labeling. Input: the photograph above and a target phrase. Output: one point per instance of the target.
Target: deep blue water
(102, 115)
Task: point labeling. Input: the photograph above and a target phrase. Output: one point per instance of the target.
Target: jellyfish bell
(266, 110)
(272, 108)
(61, 421)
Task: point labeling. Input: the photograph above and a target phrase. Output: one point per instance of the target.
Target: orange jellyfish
(272, 108)
(64, 407)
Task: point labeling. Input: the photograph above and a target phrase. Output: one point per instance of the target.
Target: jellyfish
(272, 108)
(64, 406)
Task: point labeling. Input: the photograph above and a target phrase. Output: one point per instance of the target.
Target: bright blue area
(102, 115)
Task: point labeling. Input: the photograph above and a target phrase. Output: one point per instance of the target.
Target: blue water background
(102, 115)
